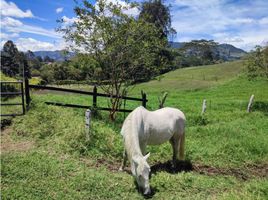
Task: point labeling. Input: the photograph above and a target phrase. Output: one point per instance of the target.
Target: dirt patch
(244, 173)
(9, 145)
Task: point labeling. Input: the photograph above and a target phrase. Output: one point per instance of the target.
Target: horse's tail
(181, 146)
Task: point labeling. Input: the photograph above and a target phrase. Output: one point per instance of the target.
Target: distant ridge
(226, 52)
(56, 55)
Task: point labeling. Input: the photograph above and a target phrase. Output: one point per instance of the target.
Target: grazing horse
(142, 128)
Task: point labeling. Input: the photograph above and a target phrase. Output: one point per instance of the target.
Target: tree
(120, 44)
(200, 52)
(9, 56)
(13, 62)
(39, 58)
(154, 11)
(47, 59)
(257, 62)
(33, 61)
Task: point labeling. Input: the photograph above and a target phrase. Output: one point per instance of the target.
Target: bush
(257, 63)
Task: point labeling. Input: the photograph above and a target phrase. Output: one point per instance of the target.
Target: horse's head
(141, 171)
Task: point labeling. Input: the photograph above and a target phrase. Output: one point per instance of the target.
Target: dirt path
(10, 145)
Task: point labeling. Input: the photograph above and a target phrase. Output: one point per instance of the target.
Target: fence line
(94, 94)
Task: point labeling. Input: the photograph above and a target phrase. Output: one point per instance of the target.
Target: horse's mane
(130, 130)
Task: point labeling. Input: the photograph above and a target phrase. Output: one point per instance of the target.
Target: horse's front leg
(124, 161)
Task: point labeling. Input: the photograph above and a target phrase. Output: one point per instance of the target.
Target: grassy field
(45, 154)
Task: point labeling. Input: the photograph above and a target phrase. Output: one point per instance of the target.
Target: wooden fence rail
(94, 94)
(14, 93)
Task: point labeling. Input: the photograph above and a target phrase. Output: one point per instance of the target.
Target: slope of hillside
(193, 78)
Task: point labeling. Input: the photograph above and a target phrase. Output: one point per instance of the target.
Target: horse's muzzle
(147, 191)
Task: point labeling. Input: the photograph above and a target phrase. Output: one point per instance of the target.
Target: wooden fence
(94, 94)
(5, 92)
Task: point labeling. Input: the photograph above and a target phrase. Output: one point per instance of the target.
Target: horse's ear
(147, 156)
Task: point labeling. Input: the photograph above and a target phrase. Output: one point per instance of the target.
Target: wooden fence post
(143, 95)
(27, 93)
(87, 126)
(162, 101)
(22, 98)
(95, 97)
(204, 106)
(250, 103)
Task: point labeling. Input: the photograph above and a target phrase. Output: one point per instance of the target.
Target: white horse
(142, 128)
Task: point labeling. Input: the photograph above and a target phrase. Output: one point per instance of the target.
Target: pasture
(45, 154)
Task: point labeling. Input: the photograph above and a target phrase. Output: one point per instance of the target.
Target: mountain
(225, 52)
(56, 55)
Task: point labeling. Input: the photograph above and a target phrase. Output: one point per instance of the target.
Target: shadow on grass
(260, 106)
(180, 166)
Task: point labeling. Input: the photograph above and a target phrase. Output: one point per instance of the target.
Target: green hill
(193, 78)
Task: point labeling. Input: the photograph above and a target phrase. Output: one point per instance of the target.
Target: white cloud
(15, 26)
(68, 21)
(25, 44)
(10, 22)
(5, 36)
(127, 8)
(10, 9)
(59, 10)
(241, 23)
(264, 21)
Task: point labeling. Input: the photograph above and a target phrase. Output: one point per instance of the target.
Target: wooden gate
(10, 89)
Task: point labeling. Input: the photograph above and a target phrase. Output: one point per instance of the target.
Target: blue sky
(244, 23)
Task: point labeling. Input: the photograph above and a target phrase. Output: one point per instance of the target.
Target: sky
(31, 24)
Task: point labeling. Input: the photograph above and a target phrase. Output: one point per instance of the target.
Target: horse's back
(173, 113)
(163, 124)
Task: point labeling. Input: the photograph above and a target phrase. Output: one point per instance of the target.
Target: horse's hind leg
(181, 147)
(124, 161)
(175, 146)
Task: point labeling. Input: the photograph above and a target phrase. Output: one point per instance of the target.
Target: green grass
(63, 164)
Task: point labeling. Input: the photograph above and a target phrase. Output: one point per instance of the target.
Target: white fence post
(250, 103)
(87, 120)
(204, 106)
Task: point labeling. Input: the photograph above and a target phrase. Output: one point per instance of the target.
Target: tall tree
(13, 62)
(120, 44)
(154, 11)
(9, 59)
